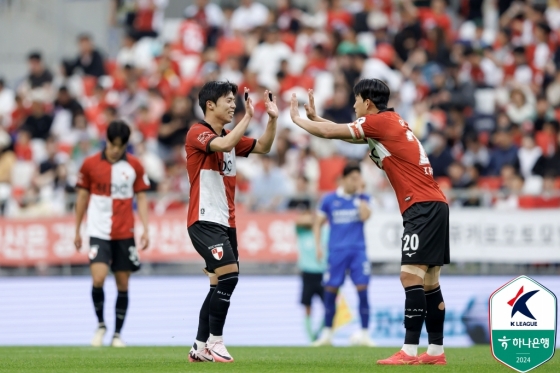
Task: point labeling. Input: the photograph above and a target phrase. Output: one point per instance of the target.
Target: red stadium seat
(110, 67)
(64, 148)
(89, 83)
(490, 182)
(532, 202)
(330, 170)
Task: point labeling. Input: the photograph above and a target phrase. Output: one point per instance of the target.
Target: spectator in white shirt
(134, 54)
(209, 16)
(267, 56)
(7, 104)
(249, 15)
(528, 155)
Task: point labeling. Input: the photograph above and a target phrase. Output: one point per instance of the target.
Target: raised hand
(271, 108)
(294, 107)
(249, 109)
(310, 107)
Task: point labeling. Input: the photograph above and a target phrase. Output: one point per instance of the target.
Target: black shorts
(311, 285)
(426, 234)
(216, 243)
(121, 255)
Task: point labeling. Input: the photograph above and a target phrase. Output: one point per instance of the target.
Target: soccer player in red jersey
(211, 152)
(425, 241)
(106, 186)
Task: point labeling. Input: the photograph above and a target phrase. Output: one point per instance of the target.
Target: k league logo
(519, 304)
(523, 324)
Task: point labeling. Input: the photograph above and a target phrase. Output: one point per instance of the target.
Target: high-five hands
(249, 109)
(310, 107)
(270, 104)
(294, 108)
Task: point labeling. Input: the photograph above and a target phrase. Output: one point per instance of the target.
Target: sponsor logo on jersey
(113, 189)
(204, 136)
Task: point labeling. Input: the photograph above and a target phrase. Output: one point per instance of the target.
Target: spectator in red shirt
(338, 18)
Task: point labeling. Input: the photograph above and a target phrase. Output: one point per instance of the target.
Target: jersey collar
(104, 157)
(384, 110)
(206, 124)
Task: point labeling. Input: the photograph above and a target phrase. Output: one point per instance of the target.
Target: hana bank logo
(519, 305)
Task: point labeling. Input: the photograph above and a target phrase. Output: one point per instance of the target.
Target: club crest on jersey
(217, 252)
(93, 250)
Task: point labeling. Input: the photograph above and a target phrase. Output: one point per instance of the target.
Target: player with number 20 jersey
(425, 241)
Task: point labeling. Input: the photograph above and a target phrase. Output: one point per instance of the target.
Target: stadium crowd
(477, 81)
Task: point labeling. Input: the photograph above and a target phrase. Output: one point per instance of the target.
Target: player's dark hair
(35, 55)
(84, 36)
(349, 168)
(118, 129)
(374, 90)
(213, 90)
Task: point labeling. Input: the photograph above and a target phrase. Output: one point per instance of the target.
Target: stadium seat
(329, 172)
(110, 67)
(532, 202)
(89, 83)
(490, 182)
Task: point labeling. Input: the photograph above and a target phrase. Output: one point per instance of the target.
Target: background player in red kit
(109, 180)
(211, 153)
(425, 241)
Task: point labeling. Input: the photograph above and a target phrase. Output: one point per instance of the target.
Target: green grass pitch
(247, 360)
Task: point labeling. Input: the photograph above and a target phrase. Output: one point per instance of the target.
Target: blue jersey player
(345, 210)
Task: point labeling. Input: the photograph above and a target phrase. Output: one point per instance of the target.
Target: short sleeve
(245, 146)
(84, 177)
(199, 137)
(367, 127)
(324, 207)
(141, 183)
(365, 197)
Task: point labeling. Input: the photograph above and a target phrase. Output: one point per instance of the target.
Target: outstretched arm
(264, 143)
(326, 130)
(228, 142)
(311, 113)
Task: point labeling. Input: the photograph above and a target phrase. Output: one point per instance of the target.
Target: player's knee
(431, 280)
(412, 275)
(98, 280)
(229, 279)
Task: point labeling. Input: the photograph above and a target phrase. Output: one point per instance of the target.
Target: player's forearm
(318, 129)
(317, 234)
(364, 211)
(267, 138)
(364, 214)
(81, 206)
(228, 142)
(143, 208)
(317, 118)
